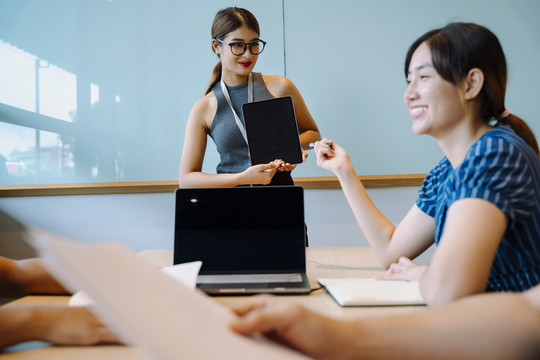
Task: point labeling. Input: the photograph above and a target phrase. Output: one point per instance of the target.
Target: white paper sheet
(184, 273)
(146, 308)
(371, 292)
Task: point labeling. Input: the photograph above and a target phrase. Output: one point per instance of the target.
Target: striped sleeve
(494, 170)
(428, 193)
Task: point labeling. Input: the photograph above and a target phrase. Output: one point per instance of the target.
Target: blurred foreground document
(147, 308)
(185, 273)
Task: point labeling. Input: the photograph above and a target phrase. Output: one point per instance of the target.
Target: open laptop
(249, 239)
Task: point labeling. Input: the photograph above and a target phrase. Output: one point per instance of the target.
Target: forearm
(260, 174)
(21, 277)
(8, 285)
(495, 326)
(376, 227)
(199, 180)
(34, 278)
(56, 325)
(439, 289)
(17, 325)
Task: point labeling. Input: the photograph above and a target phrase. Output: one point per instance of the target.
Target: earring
(493, 122)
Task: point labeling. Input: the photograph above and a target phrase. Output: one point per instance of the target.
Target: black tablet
(272, 131)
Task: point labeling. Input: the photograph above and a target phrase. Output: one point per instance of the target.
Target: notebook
(249, 239)
(371, 292)
(272, 131)
(161, 318)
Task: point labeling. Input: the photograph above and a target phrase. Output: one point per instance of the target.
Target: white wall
(346, 58)
(146, 221)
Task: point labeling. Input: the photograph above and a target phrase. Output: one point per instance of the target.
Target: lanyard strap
(241, 126)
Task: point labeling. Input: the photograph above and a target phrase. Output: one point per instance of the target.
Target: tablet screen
(272, 131)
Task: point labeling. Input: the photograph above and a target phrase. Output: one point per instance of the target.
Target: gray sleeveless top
(230, 144)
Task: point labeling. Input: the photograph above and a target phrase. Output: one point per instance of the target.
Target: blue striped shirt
(502, 169)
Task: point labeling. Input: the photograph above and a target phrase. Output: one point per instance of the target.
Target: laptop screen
(241, 230)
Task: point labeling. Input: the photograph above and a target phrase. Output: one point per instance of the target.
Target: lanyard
(250, 99)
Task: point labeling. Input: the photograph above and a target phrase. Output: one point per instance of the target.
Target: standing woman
(235, 39)
(481, 203)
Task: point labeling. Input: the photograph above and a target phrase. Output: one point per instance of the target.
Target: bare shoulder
(204, 110)
(279, 85)
(207, 103)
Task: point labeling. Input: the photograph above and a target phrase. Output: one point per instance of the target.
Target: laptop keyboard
(247, 279)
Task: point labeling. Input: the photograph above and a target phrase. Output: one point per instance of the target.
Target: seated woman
(481, 203)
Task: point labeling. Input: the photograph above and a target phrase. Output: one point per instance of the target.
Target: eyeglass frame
(246, 45)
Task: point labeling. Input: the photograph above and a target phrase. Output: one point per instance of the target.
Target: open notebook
(146, 307)
(371, 292)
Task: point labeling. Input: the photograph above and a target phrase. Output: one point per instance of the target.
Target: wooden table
(322, 262)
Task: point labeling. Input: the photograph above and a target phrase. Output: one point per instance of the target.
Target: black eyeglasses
(239, 48)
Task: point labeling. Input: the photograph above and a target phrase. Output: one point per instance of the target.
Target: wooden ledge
(369, 181)
(141, 187)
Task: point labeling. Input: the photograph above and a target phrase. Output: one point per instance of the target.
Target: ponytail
(522, 129)
(214, 78)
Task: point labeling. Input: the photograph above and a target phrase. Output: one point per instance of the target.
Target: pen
(312, 145)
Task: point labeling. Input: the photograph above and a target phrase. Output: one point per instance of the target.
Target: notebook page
(371, 292)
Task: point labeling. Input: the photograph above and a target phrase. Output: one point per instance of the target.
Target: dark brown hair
(459, 47)
(226, 21)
